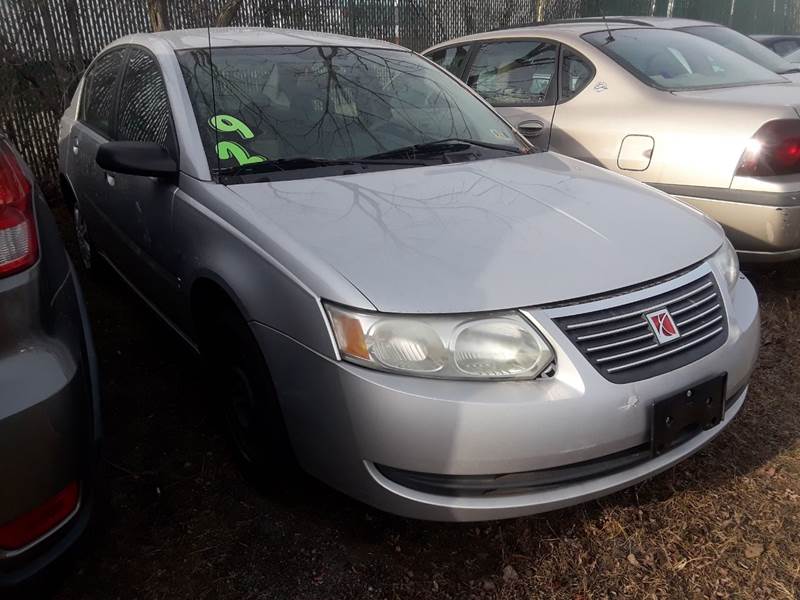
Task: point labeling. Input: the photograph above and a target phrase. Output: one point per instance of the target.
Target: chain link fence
(46, 44)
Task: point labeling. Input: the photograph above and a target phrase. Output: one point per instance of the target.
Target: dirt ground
(180, 522)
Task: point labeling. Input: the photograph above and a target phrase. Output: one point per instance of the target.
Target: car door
(143, 205)
(573, 121)
(518, 78)
(94, 127)
(587, 124)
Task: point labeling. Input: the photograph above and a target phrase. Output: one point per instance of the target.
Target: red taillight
(32, 525)
(18, 243)
(773, 150)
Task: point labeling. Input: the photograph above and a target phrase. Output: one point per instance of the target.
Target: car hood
(484, 235)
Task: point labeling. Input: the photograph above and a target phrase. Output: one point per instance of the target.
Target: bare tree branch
(157, 11)
(228, 13)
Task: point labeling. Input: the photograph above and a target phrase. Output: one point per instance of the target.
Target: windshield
(673, 60)
(793, 57)
(303, 107)
(741, 44)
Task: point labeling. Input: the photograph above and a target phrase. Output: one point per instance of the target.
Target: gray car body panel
(49, 397)
(482, 428)
(457, 238)
(465, 237)
(698, 136)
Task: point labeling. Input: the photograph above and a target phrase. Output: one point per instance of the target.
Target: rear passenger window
(453, 59)
(99, 89)
(514, 73)
(144, 114)
(576, 73)
(784, 47)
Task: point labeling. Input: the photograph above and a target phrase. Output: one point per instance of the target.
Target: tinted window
(784, 47)
(576, 72)
(144, 114)
(274, 103)
(453, 59)
(674, 60)
(741, 44)
(99, 88)
(514, 73)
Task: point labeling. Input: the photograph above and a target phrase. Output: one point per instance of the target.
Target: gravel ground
(179, 521)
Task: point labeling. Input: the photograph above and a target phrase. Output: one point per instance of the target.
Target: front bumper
(345, 420)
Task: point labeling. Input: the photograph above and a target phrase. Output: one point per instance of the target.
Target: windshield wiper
(306, 162)
(442, 147)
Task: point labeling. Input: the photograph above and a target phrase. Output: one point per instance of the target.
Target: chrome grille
(621, 345)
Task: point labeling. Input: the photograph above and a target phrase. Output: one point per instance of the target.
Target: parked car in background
(781, 44)
(439, 320)
(667, 108)
(49, 409)
(725, 36)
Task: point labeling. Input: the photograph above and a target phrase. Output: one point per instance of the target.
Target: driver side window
(519, 73)
(100, 91)
(144, 113)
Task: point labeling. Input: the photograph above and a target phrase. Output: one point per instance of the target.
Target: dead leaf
(754, 550)
(633, 560)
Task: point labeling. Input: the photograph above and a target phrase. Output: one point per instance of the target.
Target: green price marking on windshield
(232, 150)
(229, 124)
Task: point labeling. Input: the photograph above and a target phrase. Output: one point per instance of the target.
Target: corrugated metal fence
(45, 44)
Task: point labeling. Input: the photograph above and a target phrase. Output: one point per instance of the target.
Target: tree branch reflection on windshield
(332, 103)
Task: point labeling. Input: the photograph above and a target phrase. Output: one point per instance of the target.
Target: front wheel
(247, 399)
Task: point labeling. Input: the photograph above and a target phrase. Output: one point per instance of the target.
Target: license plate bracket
(681, 415)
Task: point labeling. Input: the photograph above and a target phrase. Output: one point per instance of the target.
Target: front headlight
(499, 346)
(726, 262)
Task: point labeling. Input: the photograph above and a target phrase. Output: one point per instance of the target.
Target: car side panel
(269, 279)
(90, 186)
(697, 141)
(49, 403)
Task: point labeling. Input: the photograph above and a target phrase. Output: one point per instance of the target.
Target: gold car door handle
(531, 129)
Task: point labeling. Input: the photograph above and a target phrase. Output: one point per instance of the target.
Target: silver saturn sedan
(391, 286)
(666, 107)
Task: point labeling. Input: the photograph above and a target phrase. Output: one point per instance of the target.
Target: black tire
(247, 400)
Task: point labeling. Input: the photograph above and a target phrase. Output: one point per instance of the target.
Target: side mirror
(136, 158)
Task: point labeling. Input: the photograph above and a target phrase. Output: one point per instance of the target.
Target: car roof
(775, 36)
(225, 37)
(661, 22)
(558, 31)
(664, 22)
(578, 27)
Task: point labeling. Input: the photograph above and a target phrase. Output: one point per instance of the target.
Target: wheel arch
(208, 294)
(67, 190)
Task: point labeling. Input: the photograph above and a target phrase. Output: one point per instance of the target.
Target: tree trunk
(157, 10)
(228, 13)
